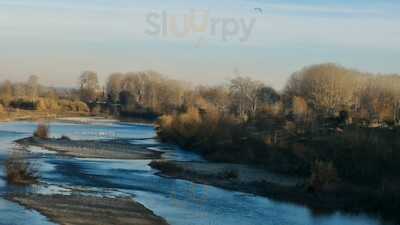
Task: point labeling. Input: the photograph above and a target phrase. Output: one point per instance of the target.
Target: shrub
(6, 100)
(66, 138)
(187, 124)
(73, 106)
(20, 171)
(96, 110)
(42, 131)
(184, 128)
(24, 104)
(164, 126)
(230, 174)
(165, 122)
(47, 104)
(80, 106)
(323, 173)
(166, 167)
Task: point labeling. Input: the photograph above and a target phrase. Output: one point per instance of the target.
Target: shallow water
(179, 202)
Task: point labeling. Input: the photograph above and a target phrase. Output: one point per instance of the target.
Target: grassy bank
(350, 167)
(32, 115)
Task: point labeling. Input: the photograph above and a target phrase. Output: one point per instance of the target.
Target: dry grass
(20, 171)
(42, 131)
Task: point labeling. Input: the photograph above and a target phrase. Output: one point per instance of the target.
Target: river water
(179, 202)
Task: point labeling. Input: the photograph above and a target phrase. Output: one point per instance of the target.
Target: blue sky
(58, 39)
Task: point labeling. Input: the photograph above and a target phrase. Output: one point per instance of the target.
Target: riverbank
(103, 119)
(75, 118)
(262, 182)
(30, 115)
(89, 210)
(102, 149)
(86, 119)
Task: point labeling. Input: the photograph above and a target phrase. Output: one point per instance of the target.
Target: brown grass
(20, 171)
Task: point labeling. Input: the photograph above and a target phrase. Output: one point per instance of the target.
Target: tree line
(322, 90)
(354, 115)
(33, 96)
(312, 93)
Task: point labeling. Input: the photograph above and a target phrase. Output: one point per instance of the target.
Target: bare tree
(268, 96)
(380, 98)
(6, 92)
(217, 96)
(6, 89)
(19, 90)
(327, 88)
(134, 84)
(147, 90)
(33, 87)
(244, 92)
(89, 86)
(114, 86)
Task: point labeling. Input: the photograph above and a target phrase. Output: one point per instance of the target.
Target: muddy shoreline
(88, 210)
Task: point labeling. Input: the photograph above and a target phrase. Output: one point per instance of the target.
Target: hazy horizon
(58, 40)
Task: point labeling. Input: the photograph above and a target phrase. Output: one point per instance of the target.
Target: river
(179, 202)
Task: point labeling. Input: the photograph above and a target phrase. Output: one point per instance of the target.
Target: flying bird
(258, 10)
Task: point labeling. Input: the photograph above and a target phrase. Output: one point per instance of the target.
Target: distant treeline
(32, 96)
(317, 91)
